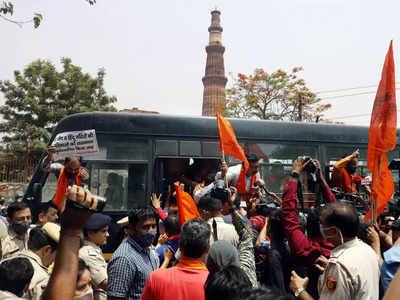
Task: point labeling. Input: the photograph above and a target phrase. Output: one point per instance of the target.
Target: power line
(351, 95)
(348, 89)
(345, 89)
(348, 95)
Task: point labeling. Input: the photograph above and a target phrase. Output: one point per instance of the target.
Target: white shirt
(233, 176)
(352, 273)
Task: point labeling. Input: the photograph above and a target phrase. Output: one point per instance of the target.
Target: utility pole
(300, 117)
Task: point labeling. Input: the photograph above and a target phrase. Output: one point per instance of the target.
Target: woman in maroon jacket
(305, 250)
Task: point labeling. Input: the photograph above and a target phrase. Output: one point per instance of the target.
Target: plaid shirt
(128, 270)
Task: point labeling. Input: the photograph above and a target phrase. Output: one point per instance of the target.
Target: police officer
(41, 252)
(352, 271)
(19, 218)
(96, 234)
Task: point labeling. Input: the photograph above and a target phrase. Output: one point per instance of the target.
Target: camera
(219, 191)
(265, 207)
(101, 203)
(310, 167)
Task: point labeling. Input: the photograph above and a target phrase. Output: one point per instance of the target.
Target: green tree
(276, 96)
(41, 96)
(7, 9)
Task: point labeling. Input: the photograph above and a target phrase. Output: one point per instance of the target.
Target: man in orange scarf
(245, 182)
(343, 173)
(70, 173)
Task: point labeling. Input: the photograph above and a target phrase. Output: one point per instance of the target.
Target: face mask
(86, 296)
(322, 230)
(21, 228)
(146, 239)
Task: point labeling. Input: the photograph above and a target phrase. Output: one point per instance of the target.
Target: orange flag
(228, 143)
(187, 208)
(382, 135)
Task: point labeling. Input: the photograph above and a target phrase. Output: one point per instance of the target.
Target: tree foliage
(41, 96)
(276, 96)
(7, 9)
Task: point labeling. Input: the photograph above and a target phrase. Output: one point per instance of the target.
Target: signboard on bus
(75, 143)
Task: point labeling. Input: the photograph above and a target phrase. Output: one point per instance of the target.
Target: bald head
(342, 216)
(72, 165)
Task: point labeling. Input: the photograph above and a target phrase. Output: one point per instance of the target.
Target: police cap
(97, 221)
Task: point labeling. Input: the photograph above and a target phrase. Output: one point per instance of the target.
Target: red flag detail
(228, 143)
(187, 208)
(382, 134)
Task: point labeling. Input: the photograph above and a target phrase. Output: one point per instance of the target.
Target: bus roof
(206, 127)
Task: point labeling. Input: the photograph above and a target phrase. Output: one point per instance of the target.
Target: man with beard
(19, 218)
(344, 171)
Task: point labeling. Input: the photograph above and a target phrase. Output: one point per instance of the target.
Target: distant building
(137, 110)
(214, 80)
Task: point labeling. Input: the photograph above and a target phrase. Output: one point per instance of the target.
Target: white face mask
(86, 296)
(322, 230)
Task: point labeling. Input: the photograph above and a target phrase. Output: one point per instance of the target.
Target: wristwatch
(299, 291)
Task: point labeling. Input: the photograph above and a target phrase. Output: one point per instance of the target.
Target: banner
(75, 143)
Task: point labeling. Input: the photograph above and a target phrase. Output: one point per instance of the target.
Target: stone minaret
(214, 80)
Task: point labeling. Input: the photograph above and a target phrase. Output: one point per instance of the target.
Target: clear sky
(154, 56)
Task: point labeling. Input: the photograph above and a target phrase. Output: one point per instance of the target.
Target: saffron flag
(187, 208)
(228, 143)
(382, 135)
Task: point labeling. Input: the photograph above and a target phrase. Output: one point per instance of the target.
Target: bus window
(187, 171)
(110, 181)
(277, 160)
(123, 185)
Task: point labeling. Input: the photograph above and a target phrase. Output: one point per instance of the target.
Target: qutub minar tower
(214, 80)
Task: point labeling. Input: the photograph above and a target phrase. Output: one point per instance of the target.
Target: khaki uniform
(352, 273)
(225, 232)
(92, 255)
(40, 277)
(3, 229)
(11, 244)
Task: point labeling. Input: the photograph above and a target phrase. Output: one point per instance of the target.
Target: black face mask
(21, 228)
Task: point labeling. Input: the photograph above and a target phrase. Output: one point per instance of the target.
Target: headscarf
(222, 254)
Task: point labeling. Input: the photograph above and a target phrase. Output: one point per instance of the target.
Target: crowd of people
(247, 243)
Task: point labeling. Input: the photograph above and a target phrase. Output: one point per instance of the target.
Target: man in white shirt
(247, 183)
(352, 271)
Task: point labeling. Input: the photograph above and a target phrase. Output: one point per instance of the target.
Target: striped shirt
(128, 270)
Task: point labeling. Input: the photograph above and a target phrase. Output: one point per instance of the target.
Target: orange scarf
(348, 182)
(62, 186)
(191, 263)
(241, 186)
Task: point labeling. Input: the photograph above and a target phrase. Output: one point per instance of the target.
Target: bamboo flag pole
(375, 207)
(223, 160)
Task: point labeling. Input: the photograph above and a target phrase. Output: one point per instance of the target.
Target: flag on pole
(228, 143)
(382, 136)
(187, 208)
